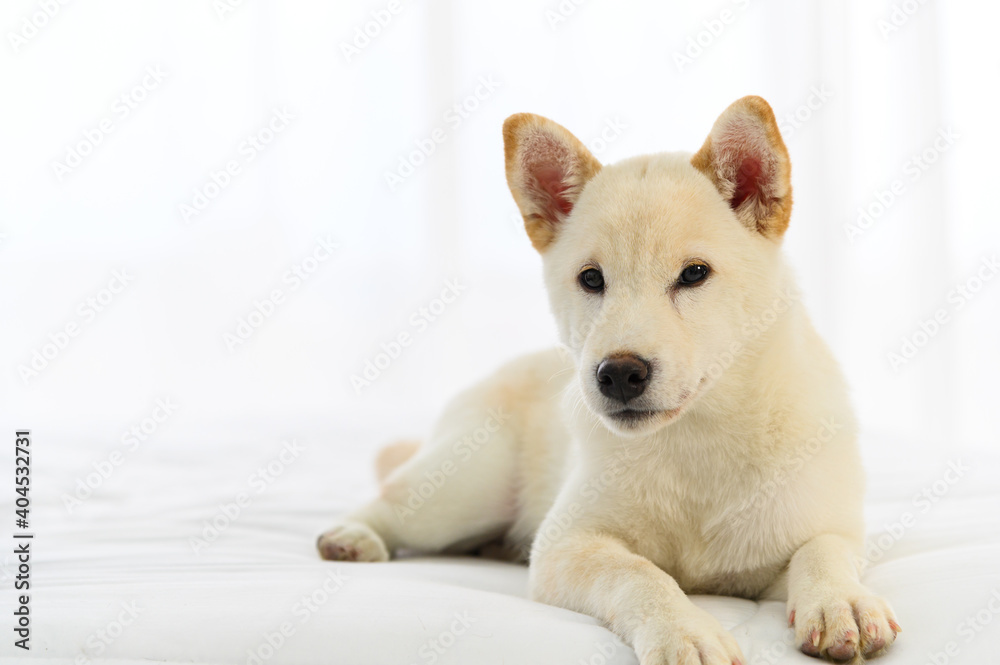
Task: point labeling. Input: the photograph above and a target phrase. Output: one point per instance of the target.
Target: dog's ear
(747, 161)
(547, 168)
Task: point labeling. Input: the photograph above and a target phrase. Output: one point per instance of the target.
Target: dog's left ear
(747, 161)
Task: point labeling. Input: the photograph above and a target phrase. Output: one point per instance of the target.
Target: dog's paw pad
(874, 637)
(845, 647)
(352, 542)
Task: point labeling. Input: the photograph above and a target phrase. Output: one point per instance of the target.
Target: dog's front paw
(694, 638)
(352, 541)
(843, 626)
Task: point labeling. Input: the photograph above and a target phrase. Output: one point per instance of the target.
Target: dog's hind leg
(455, 492)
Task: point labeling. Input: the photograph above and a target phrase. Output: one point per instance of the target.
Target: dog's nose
(623, 377)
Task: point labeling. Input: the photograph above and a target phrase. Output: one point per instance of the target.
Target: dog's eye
(591, 280)
(693, 273)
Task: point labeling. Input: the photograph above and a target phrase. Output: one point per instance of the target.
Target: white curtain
(382, 126)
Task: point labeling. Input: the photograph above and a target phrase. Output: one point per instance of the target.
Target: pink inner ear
(748, 181)
(549, 180)
(547, 164)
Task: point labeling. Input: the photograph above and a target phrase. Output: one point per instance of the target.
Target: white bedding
(129, 547)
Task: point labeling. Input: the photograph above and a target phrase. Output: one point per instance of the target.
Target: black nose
(623, 377)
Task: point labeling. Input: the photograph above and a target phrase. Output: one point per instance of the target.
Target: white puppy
(695, 438)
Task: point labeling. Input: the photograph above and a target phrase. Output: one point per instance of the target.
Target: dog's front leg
(598, 575)
(834, 615)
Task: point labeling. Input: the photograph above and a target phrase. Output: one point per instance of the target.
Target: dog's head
(654, 264)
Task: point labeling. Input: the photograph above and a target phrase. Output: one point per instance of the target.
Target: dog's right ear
(547, 168)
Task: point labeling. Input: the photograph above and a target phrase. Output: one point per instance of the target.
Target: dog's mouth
(633, 419)
(636, 421)
(634, 416)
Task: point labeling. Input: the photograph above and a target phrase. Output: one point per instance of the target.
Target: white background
(887, 95)
(860, 88)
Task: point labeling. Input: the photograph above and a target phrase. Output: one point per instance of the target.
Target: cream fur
(747, 482)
